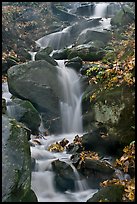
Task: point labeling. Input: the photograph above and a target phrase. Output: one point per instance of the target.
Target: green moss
(90, 56)
(108, 194)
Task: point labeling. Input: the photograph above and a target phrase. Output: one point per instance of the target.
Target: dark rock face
(16, 163)
(63, 15)
(86, 9)
(74, 63)
(111, 193)
(64, 178)
(4, 108)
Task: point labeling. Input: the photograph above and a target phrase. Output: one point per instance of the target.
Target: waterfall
(100, 9)
(70, 105)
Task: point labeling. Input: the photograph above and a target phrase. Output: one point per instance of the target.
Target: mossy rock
(89, 56)
(43, 55)
(23, 111)
(111, 193)
(123, 17)
(16, 162)
(115, 108)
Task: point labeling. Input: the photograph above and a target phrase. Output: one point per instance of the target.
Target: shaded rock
(64, 178)
(16, 163)
(114, 109)
(74, 63)
(124, 17)
(111, 193)
(7, 63)
(63, 15)
(22, 53)
(86, 9)
(73, 148)
(99, 166)
(43, 84)
(43, 55)
(96, 171)
(91, 35)
(60, 54)
(4, 108)
(112, 9)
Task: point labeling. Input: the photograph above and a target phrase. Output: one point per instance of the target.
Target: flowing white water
(70, 105)
(43, 178)
(33, 54)
(55, 40)
(100, 9)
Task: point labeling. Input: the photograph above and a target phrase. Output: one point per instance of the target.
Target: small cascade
(100, 9)
(71, 113)
(80, 185)
(33, 54)
(55, 40)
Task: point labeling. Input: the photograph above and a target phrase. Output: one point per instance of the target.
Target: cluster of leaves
(129, 188)
(126, 161)
(7, 54)
(119, 71)
(58, 146)
(86, 155)
(89, 155)
(77, 140)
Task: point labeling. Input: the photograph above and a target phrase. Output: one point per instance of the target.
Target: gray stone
(16, 162)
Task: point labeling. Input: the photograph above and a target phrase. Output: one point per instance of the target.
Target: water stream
(43, 177)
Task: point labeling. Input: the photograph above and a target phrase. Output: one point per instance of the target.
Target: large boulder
(64, 175)
(88, 35)
(87, 52)
(16, 163)
(114, 109)
(38, 83)
(44, 55)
